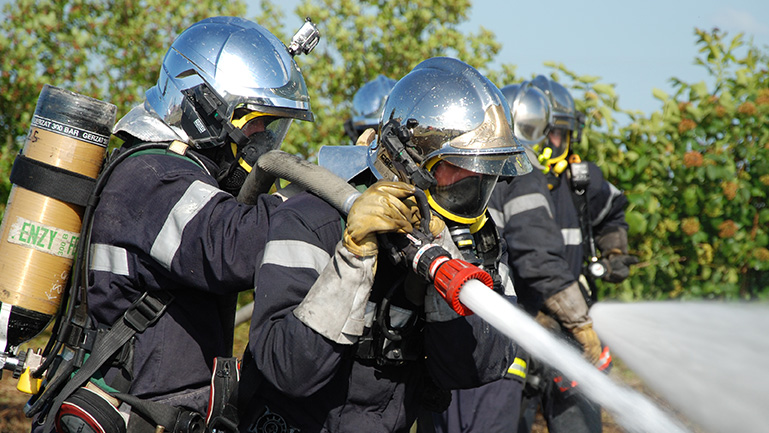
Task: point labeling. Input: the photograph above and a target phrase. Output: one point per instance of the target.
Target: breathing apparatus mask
(262, 133)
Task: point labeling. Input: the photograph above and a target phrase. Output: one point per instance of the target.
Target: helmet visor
(460, 191)
(264, 132)
(495, 164)
(558, 141)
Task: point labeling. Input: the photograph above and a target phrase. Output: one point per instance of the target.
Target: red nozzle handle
(450, 278)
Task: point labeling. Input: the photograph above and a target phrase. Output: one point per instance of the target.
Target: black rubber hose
(257, 182)
(314, 178)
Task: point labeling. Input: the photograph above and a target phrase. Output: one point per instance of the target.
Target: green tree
(696, 175)
(361, 39)
(107, 50)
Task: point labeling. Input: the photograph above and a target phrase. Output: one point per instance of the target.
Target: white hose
(629, 408)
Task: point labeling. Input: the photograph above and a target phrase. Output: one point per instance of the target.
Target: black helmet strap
(394, 138)
(205, 115)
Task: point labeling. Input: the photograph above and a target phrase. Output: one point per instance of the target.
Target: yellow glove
(591, 345)
(570, 309)
(436, 223)
(378, 210)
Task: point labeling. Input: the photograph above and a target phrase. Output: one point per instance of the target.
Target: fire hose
(428, 260)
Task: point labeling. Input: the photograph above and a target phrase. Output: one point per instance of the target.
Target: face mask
(461, 192)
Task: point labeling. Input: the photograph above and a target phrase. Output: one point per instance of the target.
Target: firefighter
(553, 219)
(169, 235)
(346, 338)
(367, 105)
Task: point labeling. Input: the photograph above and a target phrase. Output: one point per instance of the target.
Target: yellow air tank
(63, 153)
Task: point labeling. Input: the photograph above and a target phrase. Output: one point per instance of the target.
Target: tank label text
(70, 131)
(51, 240)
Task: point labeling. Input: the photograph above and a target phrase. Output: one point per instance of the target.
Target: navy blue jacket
(543, 229)
(163, 224)
(320, 386)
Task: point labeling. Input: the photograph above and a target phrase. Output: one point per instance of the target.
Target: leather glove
(618, 267)
(366, 137)
(335, 305)
(547, 322)
(570, 309)
(436, 222)
(613, 245)
(378, 210)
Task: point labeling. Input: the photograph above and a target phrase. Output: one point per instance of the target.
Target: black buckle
(146, 310)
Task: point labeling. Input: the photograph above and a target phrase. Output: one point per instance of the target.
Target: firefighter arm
(292, 356)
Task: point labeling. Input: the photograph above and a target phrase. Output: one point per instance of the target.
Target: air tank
(63, 153)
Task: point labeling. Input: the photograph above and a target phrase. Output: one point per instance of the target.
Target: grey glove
(336, 303)
(570, 309)
(616, 260)
(618, 267)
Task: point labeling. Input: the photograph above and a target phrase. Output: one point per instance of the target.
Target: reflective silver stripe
(607, 207)
(295, 254)
(525, 203)
(5, 316)
(507, 279)
(399, 316)
(572, 236)
(518, 368)
(499, 219)
(170, 237)
(109, 258)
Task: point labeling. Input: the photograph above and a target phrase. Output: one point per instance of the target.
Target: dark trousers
(491, 408)
(564, 411)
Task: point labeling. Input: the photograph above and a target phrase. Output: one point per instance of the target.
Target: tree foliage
(695, 172)
(364, 38)
(696, 175)
(107, 50)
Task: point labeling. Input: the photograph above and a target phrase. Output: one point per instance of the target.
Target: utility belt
(392, 336)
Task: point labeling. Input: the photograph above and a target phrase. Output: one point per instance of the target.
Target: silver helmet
(564, 124)
(221, 69)
(450, 119)
(563, 111)
(368, 103)
(530, 111)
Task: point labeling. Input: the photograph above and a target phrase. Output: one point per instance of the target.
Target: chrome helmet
(454, 127)
(564, 124)
(222, 73)
(367, 105)
(530, 111)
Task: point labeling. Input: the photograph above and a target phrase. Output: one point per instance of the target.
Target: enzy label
(43, 238)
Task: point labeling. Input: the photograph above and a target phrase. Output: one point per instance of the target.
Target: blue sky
(636, 46)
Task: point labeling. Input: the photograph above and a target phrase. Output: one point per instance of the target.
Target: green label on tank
(51, 240)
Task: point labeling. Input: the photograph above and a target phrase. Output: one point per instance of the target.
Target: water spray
(708, 359)
(632, 410)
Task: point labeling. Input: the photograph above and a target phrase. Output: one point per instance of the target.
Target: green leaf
(701, 90)
(606, 89)
(636, 223)
(660, 94)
